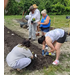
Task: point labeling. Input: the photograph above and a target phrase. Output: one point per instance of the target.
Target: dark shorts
(45, 29)
(62, 39)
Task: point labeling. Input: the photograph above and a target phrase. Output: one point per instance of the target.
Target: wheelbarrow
(23, 24)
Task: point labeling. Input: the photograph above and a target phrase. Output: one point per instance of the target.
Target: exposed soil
(11, 40)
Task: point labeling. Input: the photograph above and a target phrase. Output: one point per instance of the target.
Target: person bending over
(20, 56)
(54, 40)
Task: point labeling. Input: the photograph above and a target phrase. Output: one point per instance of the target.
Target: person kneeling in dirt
(54, 40)
(20, 56)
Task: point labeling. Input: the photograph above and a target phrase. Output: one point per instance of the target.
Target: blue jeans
(45, 30)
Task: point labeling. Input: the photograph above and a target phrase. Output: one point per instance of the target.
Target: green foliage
(54, 7)
(58, 8)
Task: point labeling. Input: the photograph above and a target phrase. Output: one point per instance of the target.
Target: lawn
(57, 21)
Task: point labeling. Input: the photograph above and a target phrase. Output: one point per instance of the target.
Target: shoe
(56, 62)
(33, 39)
(46, 47)
(29, 38)
(28, 28)
(43, 52)
(37, 34)
(18, 70)
(11, 70)
(52, 54)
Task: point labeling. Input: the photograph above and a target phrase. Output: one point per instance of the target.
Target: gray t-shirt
(55, 34)
(17, 53)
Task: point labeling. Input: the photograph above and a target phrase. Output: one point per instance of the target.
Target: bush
(53, 7)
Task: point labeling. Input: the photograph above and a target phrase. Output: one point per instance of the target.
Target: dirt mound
(12, 39)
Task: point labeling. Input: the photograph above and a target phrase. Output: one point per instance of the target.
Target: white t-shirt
(55, 34)
(17, 53)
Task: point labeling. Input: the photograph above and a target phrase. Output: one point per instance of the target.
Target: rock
(35, 55)
(8, 32)
(12, 34)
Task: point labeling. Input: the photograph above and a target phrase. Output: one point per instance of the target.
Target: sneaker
(46, 47)
(29, 38)
(33, 40)
(56, 62)
(47, 53)
(28, 28)
(53, 54)
(37, 34)
(43, 52)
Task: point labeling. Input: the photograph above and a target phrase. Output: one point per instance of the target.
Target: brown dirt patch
(12, 40)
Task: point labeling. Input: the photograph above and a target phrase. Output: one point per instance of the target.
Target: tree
(57, 7)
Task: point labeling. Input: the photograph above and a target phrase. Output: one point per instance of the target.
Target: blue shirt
(43, 20)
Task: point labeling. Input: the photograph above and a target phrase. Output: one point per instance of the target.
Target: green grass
(60, 20)
(9, 23)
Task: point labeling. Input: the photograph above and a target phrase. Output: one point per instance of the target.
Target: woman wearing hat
(34, 13)
(37, 13)
(45, 22)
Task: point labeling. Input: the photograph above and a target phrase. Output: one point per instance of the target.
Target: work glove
(43, 52)
(47, 53)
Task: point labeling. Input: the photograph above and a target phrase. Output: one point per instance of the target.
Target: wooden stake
(69, 28)
(54, 22)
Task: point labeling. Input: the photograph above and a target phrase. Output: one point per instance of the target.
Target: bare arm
(43, 47)
(49, 43)
(31, 57)
(5, 3)
(46, 21)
